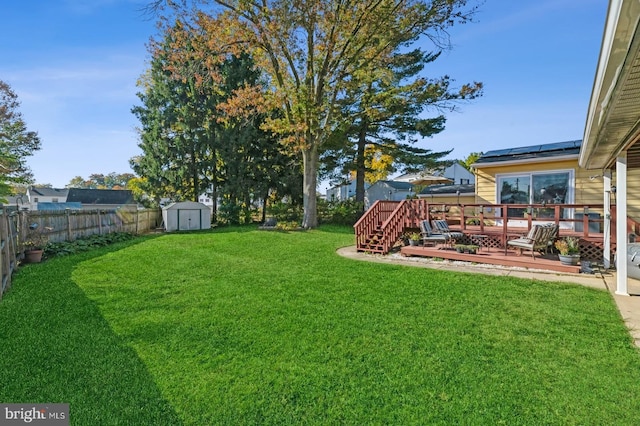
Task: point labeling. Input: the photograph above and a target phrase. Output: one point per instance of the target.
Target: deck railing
(390, 219)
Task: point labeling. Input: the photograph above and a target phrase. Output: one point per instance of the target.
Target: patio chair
(539, 238)
(428, 236)
(441, 226)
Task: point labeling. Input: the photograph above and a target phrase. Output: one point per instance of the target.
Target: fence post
(22, 229)
(69, 230)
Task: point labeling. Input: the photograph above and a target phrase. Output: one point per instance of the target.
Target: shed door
(189, 220)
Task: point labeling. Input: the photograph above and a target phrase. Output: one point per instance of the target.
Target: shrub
(339, 212)
(65, 248)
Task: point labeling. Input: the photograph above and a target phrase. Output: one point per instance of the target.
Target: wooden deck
(494, 256)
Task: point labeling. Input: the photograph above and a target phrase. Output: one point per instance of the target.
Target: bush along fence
(16, 228)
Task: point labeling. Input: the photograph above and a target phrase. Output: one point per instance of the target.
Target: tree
(16, 142)
(192, 138)
(99, 181)
(177, 134)
(312, 51)
(385, 117)
(471, 158)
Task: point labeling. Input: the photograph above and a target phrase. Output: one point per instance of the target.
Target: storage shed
(186, 216)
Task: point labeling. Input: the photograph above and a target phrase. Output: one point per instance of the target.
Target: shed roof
(186, 205)
(531, 153)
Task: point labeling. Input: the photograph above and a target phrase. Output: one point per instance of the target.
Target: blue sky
(74, 65)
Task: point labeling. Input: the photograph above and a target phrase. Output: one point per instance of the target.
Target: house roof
(528, 154)
(448, 189)
(48, 192)
(402, 186)
(100, 196)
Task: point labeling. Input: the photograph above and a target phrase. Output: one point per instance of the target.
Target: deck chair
(550, 235)
(428, 236)
(441, 226)
(537, 239)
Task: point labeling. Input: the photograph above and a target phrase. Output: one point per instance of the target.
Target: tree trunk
(309, 183)
(360, 165)
(214, 189)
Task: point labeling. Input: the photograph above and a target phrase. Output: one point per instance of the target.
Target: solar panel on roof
(533, 149)
(526, 150)
(497, 152)
(560, 145)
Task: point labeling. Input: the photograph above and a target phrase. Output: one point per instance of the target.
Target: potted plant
(414, 239)
(569, 250)
(472, 248)
(34, 243)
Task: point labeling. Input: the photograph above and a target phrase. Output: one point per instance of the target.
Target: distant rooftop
(549, 150)
(397, 185)
(100, 196)
(48, 192)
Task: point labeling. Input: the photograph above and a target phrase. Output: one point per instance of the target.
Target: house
(389, 190)
(344, 191)
(102, 198)
(533, 174)
(611, 148)
(38, 194)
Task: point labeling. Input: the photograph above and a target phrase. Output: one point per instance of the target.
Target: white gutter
(524, 161)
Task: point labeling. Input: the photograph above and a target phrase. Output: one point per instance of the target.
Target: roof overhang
(613, 118)
(529, 160)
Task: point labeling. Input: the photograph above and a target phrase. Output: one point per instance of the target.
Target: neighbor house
(38, 194)
(344, 191)
(389, 190)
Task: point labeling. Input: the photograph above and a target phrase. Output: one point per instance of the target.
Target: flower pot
(413, 243)
(569, 259)
(33, 256)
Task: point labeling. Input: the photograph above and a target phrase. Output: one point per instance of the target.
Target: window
(54, 200)
(464, 181)
(554, 187)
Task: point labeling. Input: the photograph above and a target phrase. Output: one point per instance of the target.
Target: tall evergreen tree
(385, 107)
(177, 129)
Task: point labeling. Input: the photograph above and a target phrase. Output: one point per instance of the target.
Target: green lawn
(238, 326)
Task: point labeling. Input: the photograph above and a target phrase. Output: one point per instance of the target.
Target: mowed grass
(238, 326)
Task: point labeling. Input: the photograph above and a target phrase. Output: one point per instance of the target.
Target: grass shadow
(57, 348)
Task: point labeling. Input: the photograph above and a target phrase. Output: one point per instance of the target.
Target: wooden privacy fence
(8, 245)
(68, 225)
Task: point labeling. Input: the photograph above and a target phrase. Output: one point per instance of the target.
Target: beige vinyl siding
(587, 190)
